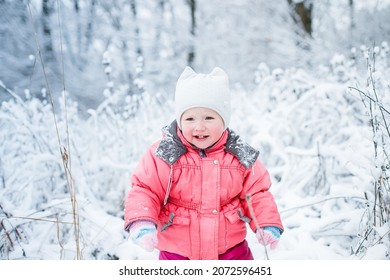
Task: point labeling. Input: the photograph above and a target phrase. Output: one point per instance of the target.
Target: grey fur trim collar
(246, 154)
(171, 148)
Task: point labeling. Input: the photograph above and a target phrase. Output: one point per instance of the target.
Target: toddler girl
(189, 192)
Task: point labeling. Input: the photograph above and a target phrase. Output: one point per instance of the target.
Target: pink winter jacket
(198, 198)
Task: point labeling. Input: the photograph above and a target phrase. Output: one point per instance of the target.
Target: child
(188, 195)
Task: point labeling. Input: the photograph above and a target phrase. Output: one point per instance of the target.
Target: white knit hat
(203, 90)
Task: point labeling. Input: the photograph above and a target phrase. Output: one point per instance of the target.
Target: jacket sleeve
(143, 201)
(257, 183)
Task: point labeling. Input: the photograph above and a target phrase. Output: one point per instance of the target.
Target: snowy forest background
(85, 87)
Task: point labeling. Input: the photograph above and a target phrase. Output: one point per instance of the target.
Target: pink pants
(239, 252)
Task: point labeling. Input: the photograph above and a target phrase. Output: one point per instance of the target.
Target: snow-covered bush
(64, 177)
(317, 139)
(374, 229)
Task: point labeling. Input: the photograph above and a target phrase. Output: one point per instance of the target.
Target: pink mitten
(144, 234)
(268, 236)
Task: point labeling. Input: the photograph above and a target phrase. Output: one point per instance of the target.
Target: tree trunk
(352, 18)
(46, 28)
(302, 15)
(89, 32)
(191, 52)
(76, 7)
(159, 26)
(136, 28)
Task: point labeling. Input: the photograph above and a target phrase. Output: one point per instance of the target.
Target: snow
(312, 132)
(321, 130)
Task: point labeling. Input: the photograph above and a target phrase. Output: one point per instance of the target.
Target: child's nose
(200, 126)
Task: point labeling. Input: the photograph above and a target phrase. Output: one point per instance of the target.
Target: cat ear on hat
(218, 72)
(188, 72)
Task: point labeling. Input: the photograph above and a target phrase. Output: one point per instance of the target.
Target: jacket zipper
(202, 153)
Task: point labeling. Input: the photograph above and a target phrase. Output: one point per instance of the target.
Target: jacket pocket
(232, 216)
(174, 233)
(235, 228)
(237, 214)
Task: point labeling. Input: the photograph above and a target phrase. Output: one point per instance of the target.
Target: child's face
(202, 127)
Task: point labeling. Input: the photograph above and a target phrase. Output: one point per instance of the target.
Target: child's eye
(189, 119)
(209, 118)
